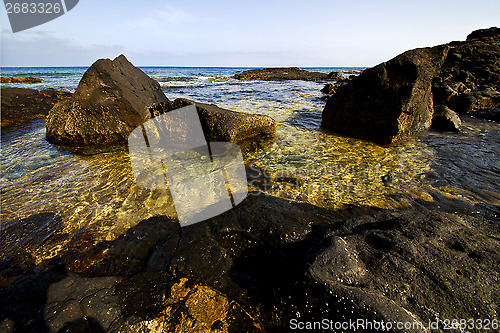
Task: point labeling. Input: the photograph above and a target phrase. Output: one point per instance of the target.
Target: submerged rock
(28, 79)
(224, 125)
(281, 74)
(445, 119)
(111, 100)
(19, 104)
(389, 102)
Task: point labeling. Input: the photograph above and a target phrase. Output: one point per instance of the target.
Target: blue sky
(243, 33)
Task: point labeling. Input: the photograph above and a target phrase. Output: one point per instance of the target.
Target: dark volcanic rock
(445, 119)
(414, 263)
(389, 102)
(224, 125)
(281, 74)
(111, 100)
(28, 79)
(19, 104)
(469, 80)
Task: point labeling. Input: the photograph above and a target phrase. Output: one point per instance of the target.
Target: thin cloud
(39, 48)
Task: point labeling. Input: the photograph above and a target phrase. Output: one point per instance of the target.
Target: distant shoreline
(215, 67)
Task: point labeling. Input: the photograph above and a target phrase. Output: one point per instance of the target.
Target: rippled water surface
(306, 163)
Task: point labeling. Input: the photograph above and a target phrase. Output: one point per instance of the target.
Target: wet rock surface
(110, 101)
(262, 264)
(281, 74)
(389, 102)
(20, 104)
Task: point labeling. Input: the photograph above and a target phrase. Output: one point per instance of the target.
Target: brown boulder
(223, 125)
(111, 100)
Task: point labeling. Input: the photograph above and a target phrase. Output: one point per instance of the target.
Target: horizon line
(171, 66)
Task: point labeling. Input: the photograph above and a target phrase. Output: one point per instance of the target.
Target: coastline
(416, 236)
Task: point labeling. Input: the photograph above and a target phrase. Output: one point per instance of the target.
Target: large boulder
(469, 80)
(221, 124)
(389, 102)
(281, 74)
(111, 100)
(19, 104)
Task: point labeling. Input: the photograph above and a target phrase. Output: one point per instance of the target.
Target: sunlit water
(306, 163)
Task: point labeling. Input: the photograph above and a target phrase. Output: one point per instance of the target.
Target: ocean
(309, 164)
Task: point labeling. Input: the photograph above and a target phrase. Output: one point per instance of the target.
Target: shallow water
(307, 163)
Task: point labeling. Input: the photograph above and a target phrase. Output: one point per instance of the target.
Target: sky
(243, 33)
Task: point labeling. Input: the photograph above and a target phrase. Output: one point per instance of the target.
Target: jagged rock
(28, 79)
(281, 74)
(224, 125)
(492, 33)
(389, 102)
(111, 100)
(468, 81)
(19, 104)
(445, 119)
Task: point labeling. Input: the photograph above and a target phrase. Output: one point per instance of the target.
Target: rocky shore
(114, 97)
(257, 267)
(469, 80)
(20, 104)
(269, 260)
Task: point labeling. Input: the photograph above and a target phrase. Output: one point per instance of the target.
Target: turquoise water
(308, 164)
